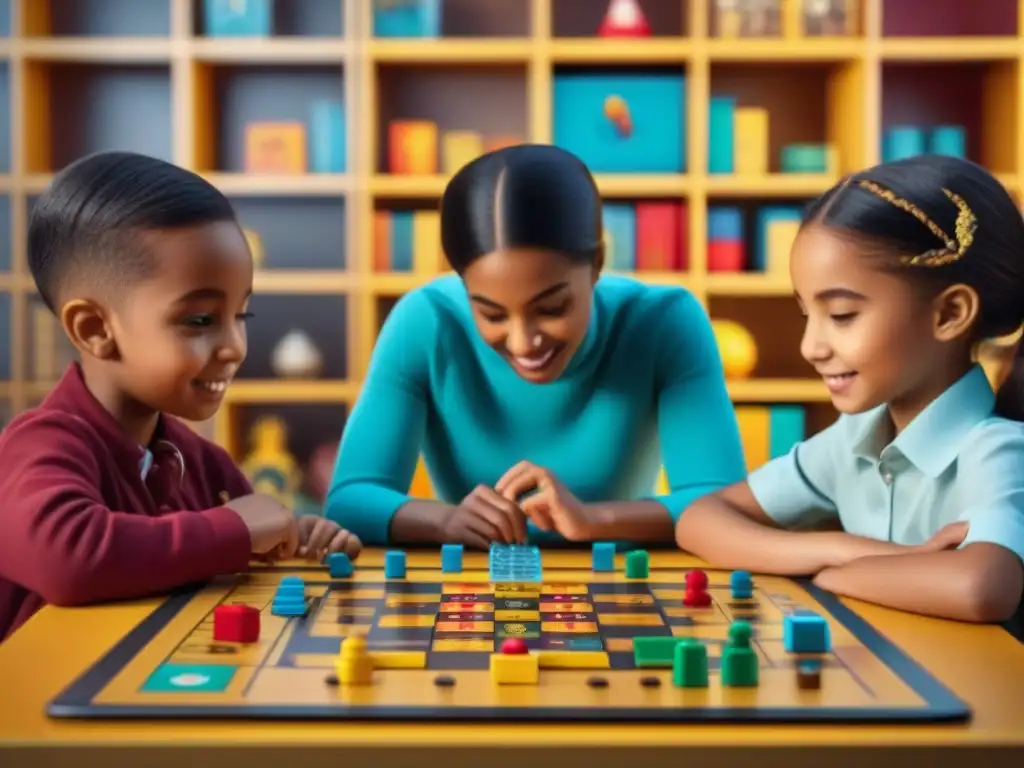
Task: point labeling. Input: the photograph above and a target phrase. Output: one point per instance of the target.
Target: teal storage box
(656, 108)
(721, 134)
(949, 140)
(327, 137)
(406, 18)
(902, 142)
(237, 18)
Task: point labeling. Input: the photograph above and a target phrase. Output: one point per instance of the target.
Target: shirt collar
(932, 441)
(72, 396)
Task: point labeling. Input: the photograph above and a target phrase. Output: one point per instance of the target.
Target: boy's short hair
(84, 228)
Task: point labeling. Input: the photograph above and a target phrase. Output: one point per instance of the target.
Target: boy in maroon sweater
(103, 495)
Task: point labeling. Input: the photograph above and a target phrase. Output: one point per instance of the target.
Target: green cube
(654, 652)
(637, 564)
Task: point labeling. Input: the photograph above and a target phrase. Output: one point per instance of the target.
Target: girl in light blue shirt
(900, 271)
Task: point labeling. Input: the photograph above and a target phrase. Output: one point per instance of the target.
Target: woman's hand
(484, 517)
(551, 507)
(319, 537)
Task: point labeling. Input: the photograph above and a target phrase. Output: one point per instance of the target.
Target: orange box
(275, 148)
(412, 147)
(494, 143)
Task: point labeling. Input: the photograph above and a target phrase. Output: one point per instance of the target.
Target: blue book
(401, 241)
(765, 216)
(725, 223)
(722, 135)
(620, 223)
(786, 428)
(237, 18)
(327, 137)
(407, 18)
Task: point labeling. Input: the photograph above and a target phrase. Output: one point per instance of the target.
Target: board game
(431, 633)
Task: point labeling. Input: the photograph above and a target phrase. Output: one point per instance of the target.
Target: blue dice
(394, 565)
(805, 632)
(603, 556)
(451, 558)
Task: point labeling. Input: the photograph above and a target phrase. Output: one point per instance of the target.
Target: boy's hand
(319, 537)
(271, 525)
(552, 506)
(949, 536)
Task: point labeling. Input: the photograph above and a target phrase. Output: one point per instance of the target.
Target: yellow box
(459, 148)
(779, 239)
(515, 668)
(574, 660)
(427, 256)
(751, 148)
(755, 428)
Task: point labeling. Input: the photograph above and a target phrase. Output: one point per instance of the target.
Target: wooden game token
(444, 681)
(597, 682)
(808, 675)
(650, 682)
(331, 680)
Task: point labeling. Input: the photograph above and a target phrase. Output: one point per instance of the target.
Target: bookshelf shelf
(927, 62)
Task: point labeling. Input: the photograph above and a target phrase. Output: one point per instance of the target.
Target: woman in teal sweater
(543, 396)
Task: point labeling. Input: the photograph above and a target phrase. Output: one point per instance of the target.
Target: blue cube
(652, 138)
(742, 585)
(603, 555)
(340, 565)
(237, 18)
(451, 558)
(805, 632)
(394, 565)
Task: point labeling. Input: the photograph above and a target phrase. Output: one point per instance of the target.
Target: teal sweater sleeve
(380, 446)
(697, 427)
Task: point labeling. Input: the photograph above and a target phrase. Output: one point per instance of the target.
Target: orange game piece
(236, 624)
(513, 646)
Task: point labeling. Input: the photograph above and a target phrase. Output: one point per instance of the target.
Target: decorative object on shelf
(722, 135)
(407, 18)
(459, 148)
(617, 111)
(494, 143)
(948, 140)
(255, 247)
(780, 234)
(297, 357)
(737, 347)
(657, 113)
(726, 247)
(808, 158)
(275, 148)
(662, 238)
(269, 465)
(903, 141)
(327, 137)
(764, 260)
(624, 18)
(620, 236)
(412, 147)
(237, 18)
(828, 18)
(751, 139)
(746, 18)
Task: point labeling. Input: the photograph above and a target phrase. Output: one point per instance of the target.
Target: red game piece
(236, 624)
(514, 646)
(697, 595)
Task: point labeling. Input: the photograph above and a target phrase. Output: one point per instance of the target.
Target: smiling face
(869, 334)
(533, 307)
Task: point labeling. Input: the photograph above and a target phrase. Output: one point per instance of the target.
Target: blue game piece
(805, 632)
(394, 564)
(603, 555)
(451, 558)
(340, 565)
(290, 598)
(742, 585)
(291, 585)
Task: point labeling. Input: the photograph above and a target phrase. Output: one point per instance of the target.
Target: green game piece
(690, 664)
(740, 667)
(637, 564)
(650, 652)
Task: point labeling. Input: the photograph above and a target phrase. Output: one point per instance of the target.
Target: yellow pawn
(354, 665)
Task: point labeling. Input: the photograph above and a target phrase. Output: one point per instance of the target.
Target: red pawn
(697, 595)
(513, 646)
(236, 624)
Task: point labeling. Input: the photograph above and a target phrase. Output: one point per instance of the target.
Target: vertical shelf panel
(6, 115)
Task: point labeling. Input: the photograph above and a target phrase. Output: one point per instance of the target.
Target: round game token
(331, 680)
(597, 682)
(650, 682)
(444, 681)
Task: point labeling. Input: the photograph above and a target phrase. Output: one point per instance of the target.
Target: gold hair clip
(955, 247)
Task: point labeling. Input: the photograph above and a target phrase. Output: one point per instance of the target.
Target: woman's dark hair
(941, 221)
(525, 196)
(85, 227)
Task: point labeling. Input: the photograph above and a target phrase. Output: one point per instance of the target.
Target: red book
(661, 237)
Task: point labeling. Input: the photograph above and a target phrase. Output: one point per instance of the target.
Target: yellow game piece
(573, 660)
(515, 668)
(398, 659)
(354, 665)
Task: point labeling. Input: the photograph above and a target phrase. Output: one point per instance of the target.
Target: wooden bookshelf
(850, 78)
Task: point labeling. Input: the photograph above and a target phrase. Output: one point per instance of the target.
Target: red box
(236, 624)
(726, 256)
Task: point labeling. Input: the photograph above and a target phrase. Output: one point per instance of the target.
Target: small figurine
(297, 357)
(624, 18)
(270, 466)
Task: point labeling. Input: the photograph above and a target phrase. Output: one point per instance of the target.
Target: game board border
(76, 701)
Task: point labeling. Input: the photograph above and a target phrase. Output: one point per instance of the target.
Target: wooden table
(983, 665)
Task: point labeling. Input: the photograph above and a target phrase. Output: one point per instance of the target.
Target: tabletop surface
(982, 665)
